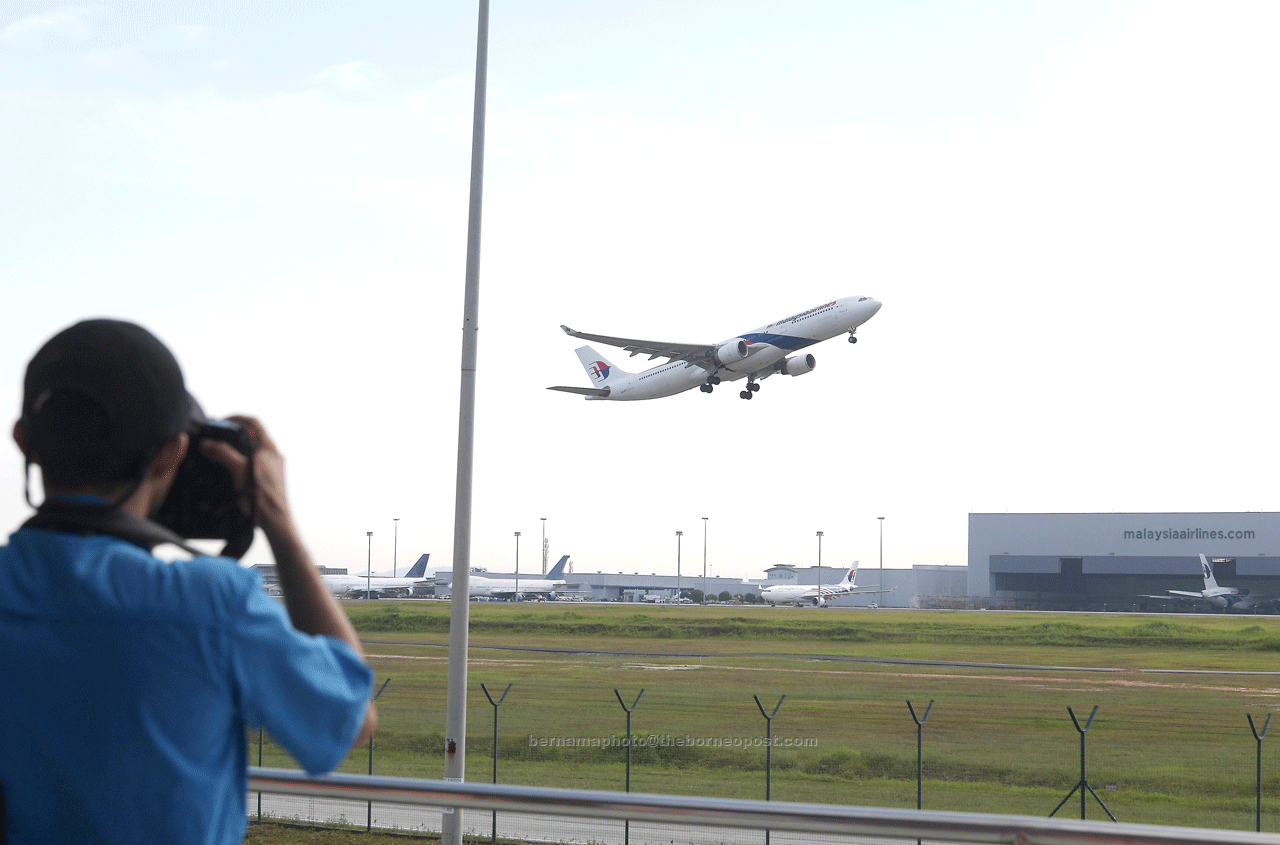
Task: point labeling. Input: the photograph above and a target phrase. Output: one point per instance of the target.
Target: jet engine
(818, 601)
(798, 365)
(732, 352)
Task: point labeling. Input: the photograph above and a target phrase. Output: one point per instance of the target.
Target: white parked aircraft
(799, 594)
(755, 355)
(1230, 598)
(415, 581)
(506, 588)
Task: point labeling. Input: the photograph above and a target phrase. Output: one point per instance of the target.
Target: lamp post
(679, 539)
(819, 569)
(368, 571)
(544, 544)
(395, 545)
(880, 568)
(704, 559)
(516, 597)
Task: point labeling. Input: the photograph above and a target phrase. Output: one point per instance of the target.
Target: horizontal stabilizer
(600, 392)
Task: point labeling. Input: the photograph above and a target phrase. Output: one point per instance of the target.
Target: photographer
(127, 683)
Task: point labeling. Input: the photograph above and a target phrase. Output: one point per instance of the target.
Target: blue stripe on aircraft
(781, 341)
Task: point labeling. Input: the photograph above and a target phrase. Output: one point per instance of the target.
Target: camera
(203, 503)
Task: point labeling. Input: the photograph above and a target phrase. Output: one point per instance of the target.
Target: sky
(1068, 210)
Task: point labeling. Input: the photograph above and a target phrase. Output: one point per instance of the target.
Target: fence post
(1083, 785)
(369, 821)
(768, 749)
(1258, 738)
(626, 824)
(919, 720)
(495, 744)
(259, 766)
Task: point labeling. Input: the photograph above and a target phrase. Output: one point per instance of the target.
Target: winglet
(569, 331)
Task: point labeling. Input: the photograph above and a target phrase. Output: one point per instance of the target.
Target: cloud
(37, 29)
(353, 77)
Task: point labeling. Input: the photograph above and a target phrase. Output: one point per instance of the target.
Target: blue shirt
(127, 683)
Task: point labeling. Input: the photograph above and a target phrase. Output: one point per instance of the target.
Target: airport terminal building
(1107, 561)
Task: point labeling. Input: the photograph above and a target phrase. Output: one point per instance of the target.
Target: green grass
(1176, 746)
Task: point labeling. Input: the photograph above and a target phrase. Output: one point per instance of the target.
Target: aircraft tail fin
(557, 571)
(851, 576)
(419, 569)
(600, 368)
(1210, 583)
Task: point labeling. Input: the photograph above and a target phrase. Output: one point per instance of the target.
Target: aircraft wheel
(852, 339)
(753, 387)
(705, 388)
(715, 379)
(746, 394)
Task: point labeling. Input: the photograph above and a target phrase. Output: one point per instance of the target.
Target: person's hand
(270, 501)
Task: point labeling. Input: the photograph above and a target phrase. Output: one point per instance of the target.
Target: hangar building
(1106, 561)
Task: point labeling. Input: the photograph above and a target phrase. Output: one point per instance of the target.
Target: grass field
(1165, 747)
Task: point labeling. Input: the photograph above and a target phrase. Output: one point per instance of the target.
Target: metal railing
(739, 813)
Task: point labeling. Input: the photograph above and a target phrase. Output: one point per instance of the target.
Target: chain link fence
(1163, 747)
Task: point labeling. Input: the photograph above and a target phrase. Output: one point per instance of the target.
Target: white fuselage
(341, 585)
(509, 587)
(807, 593)
(766, 346)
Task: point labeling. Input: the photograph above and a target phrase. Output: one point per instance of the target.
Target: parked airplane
(755, 355)
(1230, 598)
(415, 581)
(799, 594)
(506, 588)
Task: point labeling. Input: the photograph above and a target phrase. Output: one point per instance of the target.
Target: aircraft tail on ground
(556, 572)
(419, 569)
(1210, 583)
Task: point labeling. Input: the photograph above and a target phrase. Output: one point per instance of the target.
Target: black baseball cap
(100, 397)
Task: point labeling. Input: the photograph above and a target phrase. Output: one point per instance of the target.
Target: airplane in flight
(800, 594)
(414, 582)
(517, 589)
(1232, 599)
(754, 355)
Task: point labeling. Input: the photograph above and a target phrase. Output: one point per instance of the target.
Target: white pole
(679, 538)
(455, 719)
(819, 569)
(704, 559)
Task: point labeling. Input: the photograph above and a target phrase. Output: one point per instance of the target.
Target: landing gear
(852, 339)
(752, 388)
(710, 384)
(705, 388)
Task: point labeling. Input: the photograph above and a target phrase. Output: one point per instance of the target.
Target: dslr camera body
(203, 504)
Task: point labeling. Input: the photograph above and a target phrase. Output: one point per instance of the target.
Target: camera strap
(73, 517)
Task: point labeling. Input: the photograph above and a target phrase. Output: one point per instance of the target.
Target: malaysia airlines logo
(853, 573)
(599, 371)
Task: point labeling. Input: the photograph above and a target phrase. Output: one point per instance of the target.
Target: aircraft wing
(1177, 595)
(702, 355)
